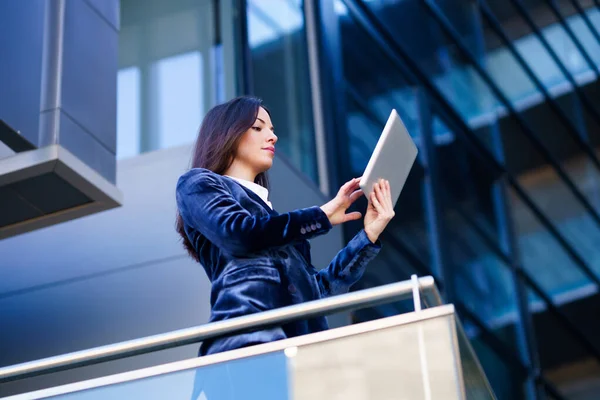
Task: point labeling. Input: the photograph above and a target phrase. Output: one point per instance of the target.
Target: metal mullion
(529, 281)
(571, 327)
(328, 67)
(501, 349)
(550, 388)
(311, 22)
(576, 88)
(574, 38)
(445, 25)
(505, 353)
(432, 194)
(247, 79)
(586, 20)
(415, 260)
(571, 128)
(401, 60)
(498, 346)
(362, 105)
(358, 62)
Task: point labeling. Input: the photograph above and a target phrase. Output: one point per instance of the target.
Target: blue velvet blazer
(258, 259)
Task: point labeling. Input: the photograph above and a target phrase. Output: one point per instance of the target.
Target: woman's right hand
(336, 208)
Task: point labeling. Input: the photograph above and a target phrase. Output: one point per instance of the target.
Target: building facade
(502, 208)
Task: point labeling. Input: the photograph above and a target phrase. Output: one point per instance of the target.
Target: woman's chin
(266, 166)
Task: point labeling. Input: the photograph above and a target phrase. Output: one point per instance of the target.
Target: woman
(256, 258)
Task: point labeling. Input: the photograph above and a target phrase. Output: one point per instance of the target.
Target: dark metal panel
(87, 148)
(244, 72)
(49, 193)
(15, 209)
(21, 32)
(109, 10)
(13, 139)
(89, 74)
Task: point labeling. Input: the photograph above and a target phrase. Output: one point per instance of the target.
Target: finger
(388, 194)
(355, 195)
(350, 186)
(351, 182)
(383, 194)
(383, 198)
(352, 216)
(376, 203)
(377, 189)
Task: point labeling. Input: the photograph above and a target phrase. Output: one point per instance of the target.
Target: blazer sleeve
(348, 265)
(206, 205)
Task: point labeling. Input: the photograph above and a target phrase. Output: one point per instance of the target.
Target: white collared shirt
(260, 191)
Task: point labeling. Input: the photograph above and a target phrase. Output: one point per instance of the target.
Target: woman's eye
(256, 128)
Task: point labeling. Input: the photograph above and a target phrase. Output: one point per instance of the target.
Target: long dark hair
(217, 143)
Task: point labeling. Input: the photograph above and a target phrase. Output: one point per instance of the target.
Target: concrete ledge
(47, 186)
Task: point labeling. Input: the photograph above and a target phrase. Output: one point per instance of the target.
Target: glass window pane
(280, 76)
(261, 377)
(173, 47)
(569, 366)
(505, 379)
(180, 101)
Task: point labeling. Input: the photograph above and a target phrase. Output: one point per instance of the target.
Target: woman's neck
(238, 171)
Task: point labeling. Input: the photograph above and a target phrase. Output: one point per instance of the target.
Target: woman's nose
(273, 138)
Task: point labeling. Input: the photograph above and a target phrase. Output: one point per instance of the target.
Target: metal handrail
(360, 299)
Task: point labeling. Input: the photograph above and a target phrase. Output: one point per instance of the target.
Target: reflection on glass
(179, 72)
(269, 20)
(517, 86)
(563, 209)
(569, 363)
(179, 89)
(128, 112)
(440, 58)
(480, 278)
(504, 376)
(475, 381)
(543, 257)
(263, 377)
(280, 76)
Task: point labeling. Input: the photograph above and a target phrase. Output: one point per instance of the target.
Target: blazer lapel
(260, 201)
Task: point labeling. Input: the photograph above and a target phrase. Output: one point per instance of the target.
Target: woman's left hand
(380, 210)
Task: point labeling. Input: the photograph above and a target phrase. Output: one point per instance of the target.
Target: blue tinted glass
(505, 378)
(263, 377)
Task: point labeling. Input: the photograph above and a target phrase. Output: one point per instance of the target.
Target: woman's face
(256, 149)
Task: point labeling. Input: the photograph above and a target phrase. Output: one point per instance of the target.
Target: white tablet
(392, 159)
